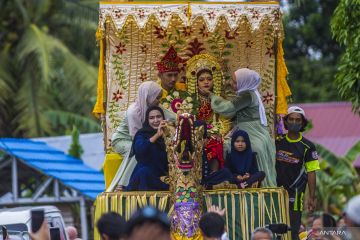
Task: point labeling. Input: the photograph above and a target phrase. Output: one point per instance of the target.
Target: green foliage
(337, 181)
(310, 52)
(45, 75)
(345, 26)
(75, 149)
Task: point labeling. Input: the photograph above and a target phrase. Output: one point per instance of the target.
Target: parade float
(132, 37)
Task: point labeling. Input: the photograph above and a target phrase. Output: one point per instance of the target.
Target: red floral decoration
(249, 44)
(231, 34)
(195, 48)
(144, 48)
(211, 15)
(160, 32)
(141, 13)
(118, 13)
(187, 31)
(120, 48)
(143, 77)
(233, 13)
(268, 98)
(117, 95)
(163, 14)
(270, 51)
(175, 104)
(276, 14)
(255, 14)
(203, 31)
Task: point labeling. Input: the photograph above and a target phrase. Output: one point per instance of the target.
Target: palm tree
(337, 181)
(47, 83)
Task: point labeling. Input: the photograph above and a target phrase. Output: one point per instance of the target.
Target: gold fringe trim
(99, 108)
(283, 90)
(272, 206)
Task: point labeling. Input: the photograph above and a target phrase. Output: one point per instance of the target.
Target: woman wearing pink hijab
(149, 94)
(248, 114)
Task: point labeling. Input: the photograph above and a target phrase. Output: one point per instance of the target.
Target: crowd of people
(326, 226)
(150, 223)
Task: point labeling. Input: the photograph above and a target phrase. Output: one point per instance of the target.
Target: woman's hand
(239, 177)
(205, 91)
(243, 185)
(160, 131)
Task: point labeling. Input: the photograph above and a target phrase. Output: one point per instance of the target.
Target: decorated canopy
(134, 36)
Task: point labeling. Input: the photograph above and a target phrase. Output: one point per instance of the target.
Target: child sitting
(242, 161)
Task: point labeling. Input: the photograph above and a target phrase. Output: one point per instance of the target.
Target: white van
(18, 221)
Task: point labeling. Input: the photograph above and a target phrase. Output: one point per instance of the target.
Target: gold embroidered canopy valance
(189, 13)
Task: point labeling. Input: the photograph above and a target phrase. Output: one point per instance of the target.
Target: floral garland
(177, 100)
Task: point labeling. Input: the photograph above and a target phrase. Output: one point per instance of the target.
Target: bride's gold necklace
(203, 99)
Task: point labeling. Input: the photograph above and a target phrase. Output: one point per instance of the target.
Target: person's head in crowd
(168, 69)
(295, 120)
(212, 226)
(310, 219)
(72, 232)
(148, 223)
(322, 221)
(352, 212)
(261, 233)
(352, 216)
(111, 226)
(341, 221)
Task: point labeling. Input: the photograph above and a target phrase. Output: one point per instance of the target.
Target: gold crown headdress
(201, 62)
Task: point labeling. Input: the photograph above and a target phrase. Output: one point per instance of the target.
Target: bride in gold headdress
(204, 75)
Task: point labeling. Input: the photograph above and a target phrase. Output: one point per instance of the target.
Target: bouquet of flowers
(177, 100)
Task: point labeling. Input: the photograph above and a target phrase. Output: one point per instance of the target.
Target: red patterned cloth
(170, 62)
(215, 151)
(205, 112)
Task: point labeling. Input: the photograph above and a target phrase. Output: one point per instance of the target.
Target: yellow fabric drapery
(111, 164)
(283, 90)
(99, 105)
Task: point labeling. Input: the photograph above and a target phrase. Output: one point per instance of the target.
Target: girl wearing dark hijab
(150, 153)
(242, 161)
